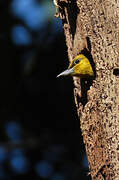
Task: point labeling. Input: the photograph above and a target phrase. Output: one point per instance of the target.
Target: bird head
(79, 66)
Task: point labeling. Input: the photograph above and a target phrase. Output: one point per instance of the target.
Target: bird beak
(66, 72)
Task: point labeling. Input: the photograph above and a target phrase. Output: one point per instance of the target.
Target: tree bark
(92, 27)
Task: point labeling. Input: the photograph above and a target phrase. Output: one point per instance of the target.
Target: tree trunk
(92, 27)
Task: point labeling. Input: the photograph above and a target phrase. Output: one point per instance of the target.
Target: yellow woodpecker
(79, 66)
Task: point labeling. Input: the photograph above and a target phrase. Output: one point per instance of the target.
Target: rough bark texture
(92, 27)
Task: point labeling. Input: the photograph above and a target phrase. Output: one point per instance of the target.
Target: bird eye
(76, 61)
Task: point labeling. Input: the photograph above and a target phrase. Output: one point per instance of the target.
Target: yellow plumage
(79, 66)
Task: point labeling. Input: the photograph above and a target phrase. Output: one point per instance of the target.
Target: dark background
(39, 132)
